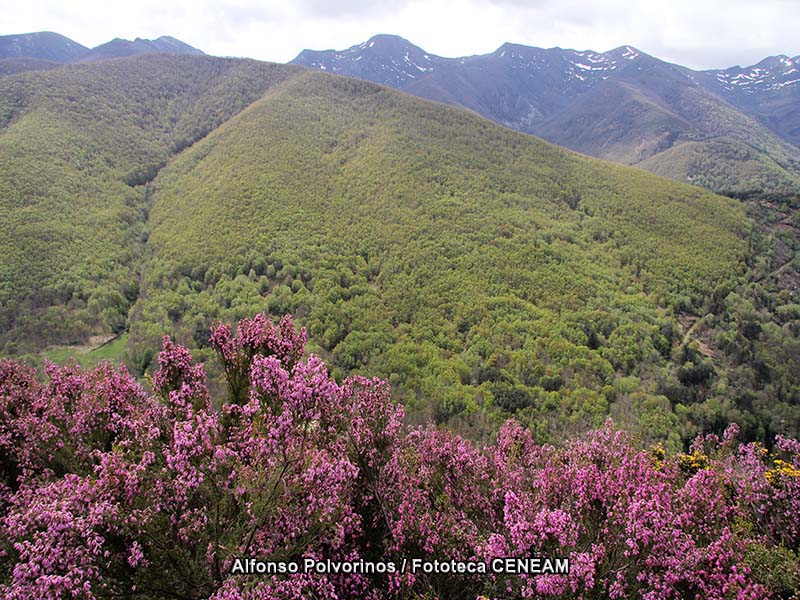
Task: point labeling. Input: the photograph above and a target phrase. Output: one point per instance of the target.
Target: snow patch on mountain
(770, 74)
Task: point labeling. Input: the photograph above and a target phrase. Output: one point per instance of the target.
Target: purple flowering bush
(107, 491)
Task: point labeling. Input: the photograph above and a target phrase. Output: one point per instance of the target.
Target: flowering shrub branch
(108, 492)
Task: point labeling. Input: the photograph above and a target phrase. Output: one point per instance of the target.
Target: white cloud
(697, 33)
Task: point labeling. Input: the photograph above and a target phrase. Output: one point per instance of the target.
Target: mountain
(77, 146)
(483, 271)
(768, 91)
(385, 59)
(118, 48)
(30, 51)
(44, 45)
(622, 105)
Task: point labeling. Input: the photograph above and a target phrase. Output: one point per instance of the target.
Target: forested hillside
(12, 66)
(78, 146)
(482, 271)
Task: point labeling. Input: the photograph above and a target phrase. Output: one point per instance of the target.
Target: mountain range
(58, 49)
(731, 130)
(734, 131)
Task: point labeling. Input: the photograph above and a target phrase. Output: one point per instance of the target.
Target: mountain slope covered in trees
(77, 146)
(12, 66)
(483, 271)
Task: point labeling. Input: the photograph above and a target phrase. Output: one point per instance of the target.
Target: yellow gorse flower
(695, 461)
(782, 469)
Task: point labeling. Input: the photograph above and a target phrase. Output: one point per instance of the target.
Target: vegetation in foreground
(108, 492)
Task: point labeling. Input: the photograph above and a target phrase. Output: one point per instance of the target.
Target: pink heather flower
(101, 485)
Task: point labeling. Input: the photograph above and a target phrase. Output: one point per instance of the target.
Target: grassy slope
(113, 351)
(471, 264)
(76, 145)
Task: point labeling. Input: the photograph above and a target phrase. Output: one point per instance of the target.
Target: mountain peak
(390, 43)
(388, 37)
(773, 74)
(625, 52)
(119, 47)
(46, 45)
(386, 59)
(509, 46)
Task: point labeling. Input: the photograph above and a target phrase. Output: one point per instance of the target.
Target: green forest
(483, 272)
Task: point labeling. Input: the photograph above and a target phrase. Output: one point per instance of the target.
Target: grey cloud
(697, 33)
(245, 15)
(348, 8)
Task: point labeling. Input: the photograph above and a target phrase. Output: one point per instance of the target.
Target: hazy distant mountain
(118, 47)
(621, 105)
(47, 46)
(44, 44)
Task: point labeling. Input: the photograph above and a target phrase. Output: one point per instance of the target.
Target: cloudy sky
(696, 33)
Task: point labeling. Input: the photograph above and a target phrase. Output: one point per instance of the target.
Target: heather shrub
(107, 491)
